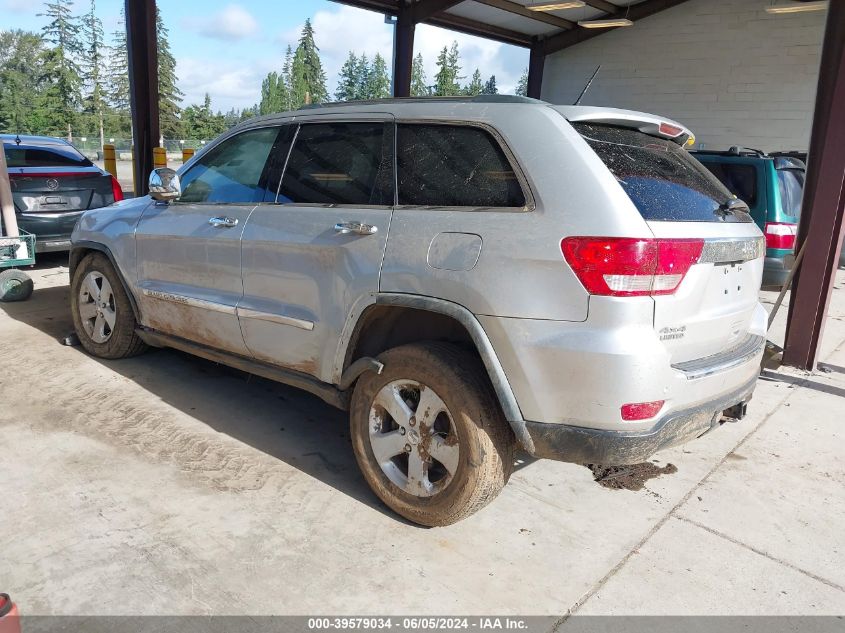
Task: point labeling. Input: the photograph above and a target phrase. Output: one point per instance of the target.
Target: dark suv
(772, 187)
(52, 184)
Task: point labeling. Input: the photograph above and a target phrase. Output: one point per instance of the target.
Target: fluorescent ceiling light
(797, 7)
(605, 24)
(553, 5)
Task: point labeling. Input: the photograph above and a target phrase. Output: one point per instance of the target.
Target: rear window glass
(741, 180)
(454, 166)
(44, 156)
(662, 180)
(791, 187)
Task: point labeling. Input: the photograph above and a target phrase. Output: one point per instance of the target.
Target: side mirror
(164, 185)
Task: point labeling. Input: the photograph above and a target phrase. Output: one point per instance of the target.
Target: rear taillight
(117, 192)
(781, 235)
(641, 410)
(630, 267)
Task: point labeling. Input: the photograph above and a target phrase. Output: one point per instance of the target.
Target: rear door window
(454, 166)
(741, 180)
(44, 156)
(663, 181)
(340, 163)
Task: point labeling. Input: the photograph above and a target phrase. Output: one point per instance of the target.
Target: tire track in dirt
(123, 414)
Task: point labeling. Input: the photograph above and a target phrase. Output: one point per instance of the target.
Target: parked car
(463, 275)
(52, 184)
(773, 187)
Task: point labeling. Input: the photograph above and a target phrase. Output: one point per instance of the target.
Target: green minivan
(772, 187)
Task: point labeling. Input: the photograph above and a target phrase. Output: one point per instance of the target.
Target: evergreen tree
(347, 84)
(63, 32)
(169, 95)
(363, 77)
(490, 86)
(92, 71)
(273, 94)
(378, 80)
(475, 86)
(308, 80)
(522, 86)
(117, 78)
(419, 83)
(20, 59)
(287, 79)
(446, 80)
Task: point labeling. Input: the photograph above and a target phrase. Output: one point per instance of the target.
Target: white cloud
(17, 6)
(230, 83)
(339, 30)
(232, 23)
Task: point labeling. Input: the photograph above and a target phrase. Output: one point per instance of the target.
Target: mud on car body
(463, 276)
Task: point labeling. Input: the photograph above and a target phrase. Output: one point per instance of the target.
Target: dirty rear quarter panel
(520, 271)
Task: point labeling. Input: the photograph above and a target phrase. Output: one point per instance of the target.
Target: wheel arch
(81, 248)
(395, 319)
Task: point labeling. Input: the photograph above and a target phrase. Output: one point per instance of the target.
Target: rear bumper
(599, 446)
(774, 271)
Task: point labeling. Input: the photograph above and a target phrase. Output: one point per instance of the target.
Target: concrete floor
(166, 484)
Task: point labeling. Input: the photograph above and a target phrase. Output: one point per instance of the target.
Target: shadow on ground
(287, 424)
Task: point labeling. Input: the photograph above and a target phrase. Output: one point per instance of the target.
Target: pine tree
(308, 80)
(378, 80)
(92, 70)
(490, 87)
(347, 84)
(446, 80)
(363, 77)
(169, 95)
(20, 60)
(117, 75)
(475, 86)
(287, 79)
(419, 83)
(63, 32)
(522, 86)
(274, 97)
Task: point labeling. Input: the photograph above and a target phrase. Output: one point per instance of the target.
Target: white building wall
(733, 73)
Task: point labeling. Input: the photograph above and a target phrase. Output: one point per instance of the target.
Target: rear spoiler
(645, 123)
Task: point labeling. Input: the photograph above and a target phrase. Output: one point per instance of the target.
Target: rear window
(741, 180)
(663, 181)
(791, 188)
(44, 156)
(454, 166)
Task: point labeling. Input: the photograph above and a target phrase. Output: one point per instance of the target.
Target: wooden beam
(536, 61)
(403, 49)
(640, 11)
(823, 207)
(601, 5)
(422, 10)
(539, 16)
(142, 51)
(474, 27)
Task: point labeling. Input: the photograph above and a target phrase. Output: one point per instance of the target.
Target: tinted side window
(44, 156)
(454, 166)
(232, 171)
(741, 180)
(340, 163)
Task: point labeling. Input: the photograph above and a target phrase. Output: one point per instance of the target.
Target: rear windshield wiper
(734, 206)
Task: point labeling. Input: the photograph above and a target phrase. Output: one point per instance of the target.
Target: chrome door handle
(355, 227)
(224, 221)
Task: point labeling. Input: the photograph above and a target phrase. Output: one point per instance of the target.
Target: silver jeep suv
(462, 275)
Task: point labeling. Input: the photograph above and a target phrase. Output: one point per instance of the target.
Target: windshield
(662, 180)
(791, 187)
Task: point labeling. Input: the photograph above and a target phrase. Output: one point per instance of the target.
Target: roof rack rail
(459, 99)
(736, 150)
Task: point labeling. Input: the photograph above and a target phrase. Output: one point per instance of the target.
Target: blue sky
(226, 48)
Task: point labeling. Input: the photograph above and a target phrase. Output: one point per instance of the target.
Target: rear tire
(454, 459)
(15, 285)
(102, 315)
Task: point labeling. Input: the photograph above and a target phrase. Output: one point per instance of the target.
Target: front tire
(429, 435)
(102, 315)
